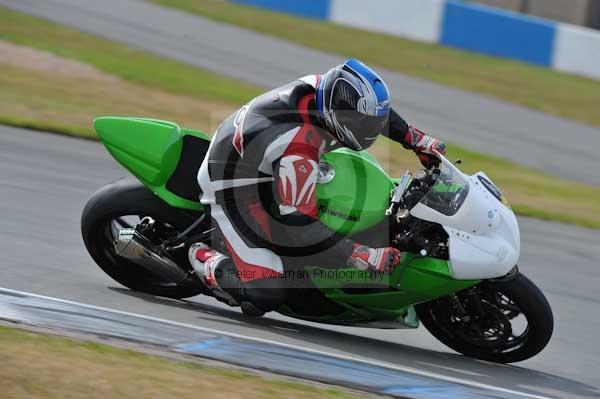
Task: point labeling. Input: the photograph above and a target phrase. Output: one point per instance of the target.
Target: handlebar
(410, 190)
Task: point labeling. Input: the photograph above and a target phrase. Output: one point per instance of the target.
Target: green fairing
(358, 195)
(355, 200)
(150, 149)
(416, 280)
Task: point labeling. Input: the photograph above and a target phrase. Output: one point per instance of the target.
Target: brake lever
(399, 191)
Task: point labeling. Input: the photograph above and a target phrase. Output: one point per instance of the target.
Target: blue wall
(499, 33)
(318, 9)
(463, 25)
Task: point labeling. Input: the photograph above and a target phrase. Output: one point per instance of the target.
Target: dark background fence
(578, 12)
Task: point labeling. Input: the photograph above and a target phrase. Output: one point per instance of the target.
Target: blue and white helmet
(355, 104)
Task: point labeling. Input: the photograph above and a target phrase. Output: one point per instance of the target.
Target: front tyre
(499, 321)
(121, 205)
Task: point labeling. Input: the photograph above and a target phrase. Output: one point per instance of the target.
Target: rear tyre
(499, 321)
(109, 209)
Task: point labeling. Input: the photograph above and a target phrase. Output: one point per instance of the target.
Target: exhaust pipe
(130, 244)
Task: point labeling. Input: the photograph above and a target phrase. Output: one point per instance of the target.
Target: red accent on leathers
(261, 217)
(297, 184)
(249, 272)
(238, 137)
(297, 187)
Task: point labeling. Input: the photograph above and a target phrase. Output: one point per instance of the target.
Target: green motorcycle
(460, 240)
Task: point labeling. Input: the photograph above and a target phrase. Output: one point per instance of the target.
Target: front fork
(474, 296)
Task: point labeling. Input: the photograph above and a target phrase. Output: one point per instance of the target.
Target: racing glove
(377, 259)
(425, 147)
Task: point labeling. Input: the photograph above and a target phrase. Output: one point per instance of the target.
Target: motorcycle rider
(259, 178)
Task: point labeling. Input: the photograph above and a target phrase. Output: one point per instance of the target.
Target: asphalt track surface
(91, 322)
(46, 180)
(560, 147)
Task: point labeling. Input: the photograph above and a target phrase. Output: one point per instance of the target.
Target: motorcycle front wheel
(499, 321)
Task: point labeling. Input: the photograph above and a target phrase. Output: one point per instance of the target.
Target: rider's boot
(206, 262)
(219, 273)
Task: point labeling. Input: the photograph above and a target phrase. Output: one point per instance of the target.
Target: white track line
(396, 367)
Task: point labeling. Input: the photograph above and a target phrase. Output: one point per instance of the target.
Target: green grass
(84, 132)
(534, 194)
(65, 368)
(66, 103)
(45, 101)
(127, 63)
(538, 88)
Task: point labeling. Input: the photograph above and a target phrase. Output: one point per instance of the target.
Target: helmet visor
(356, 130)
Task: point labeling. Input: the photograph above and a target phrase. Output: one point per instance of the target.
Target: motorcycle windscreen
(449, 192)
(461, 202)
(483, 232)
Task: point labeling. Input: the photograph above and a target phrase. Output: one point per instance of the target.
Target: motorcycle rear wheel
(111, 207)
(489, 333)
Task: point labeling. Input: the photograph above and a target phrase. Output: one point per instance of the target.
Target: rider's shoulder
(283, 98)
(311, 80)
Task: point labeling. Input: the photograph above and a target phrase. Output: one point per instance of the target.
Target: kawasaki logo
(338, 214)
